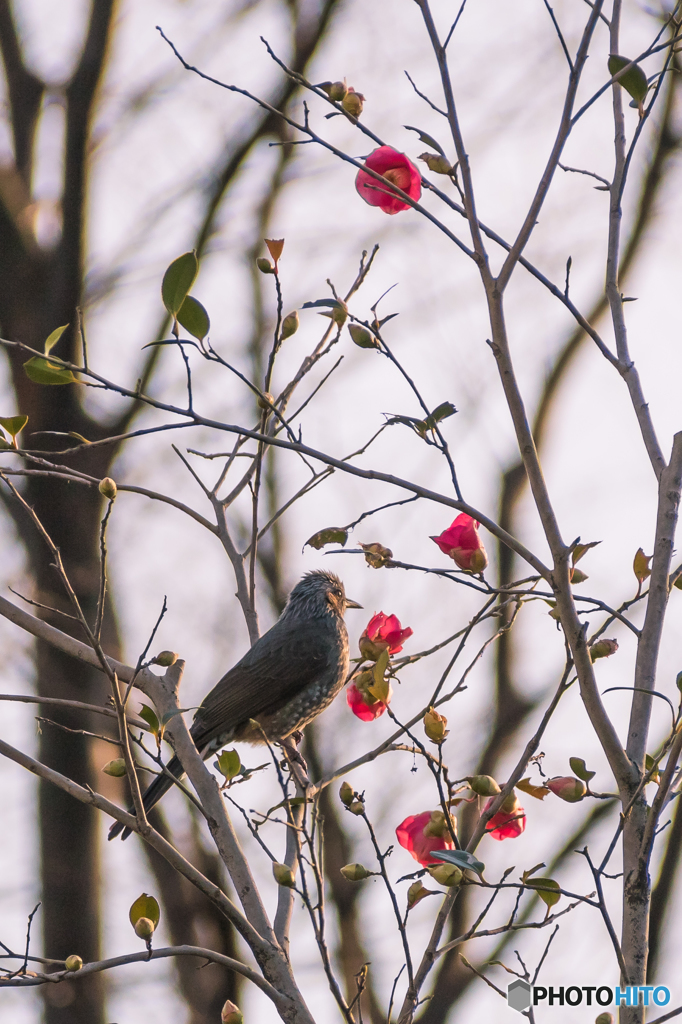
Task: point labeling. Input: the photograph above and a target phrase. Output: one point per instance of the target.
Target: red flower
(364, 706)
(397, 170)
(420, 834)
(463, 545)
(510, 820)
(383, 633)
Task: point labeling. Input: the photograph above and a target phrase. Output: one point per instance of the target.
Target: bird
(289, 676)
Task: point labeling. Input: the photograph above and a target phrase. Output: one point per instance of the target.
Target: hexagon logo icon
(519, 995)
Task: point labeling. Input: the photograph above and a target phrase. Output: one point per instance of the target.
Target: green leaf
(579, 768)
(444, 410)
(550, 898)
(53, 338)
(13, 424)
(149, 716)
(581, 549)
(178, 280)
(43, 371)
(330, 535)
(170, 715)
(144, 906)
(526, 786)
(5, 445)
(331, 303)
(649, 763)
(633, 81)
(428, 139)
(194, 318)
(465, 861)
(418, 892)
(229, 764)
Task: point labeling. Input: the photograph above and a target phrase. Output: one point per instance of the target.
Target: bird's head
(319, 593)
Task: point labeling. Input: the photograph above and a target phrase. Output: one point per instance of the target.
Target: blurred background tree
(96, 109)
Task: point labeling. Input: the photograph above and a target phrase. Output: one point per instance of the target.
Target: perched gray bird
(287, 678)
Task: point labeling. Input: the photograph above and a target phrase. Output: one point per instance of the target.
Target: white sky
(509, 74)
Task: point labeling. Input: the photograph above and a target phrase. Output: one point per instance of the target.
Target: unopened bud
(362, 337)
(353, 102)
(337, 91)
(165, 659)
(484, 785)
(437, 826)
(355, 872)
(73, 963)
(264, 265)
(231, 1014)
(339, 314)
(604, 1018)
(115, 768)
(266, 400)
(290, 324)
(435, 726)
(107, 487)
(346, 793)
(283, 875)
(567, 788)
(436, 163)
(144, 928)
(357, 807)
(603, 649)
(445, 874)
(376, 554)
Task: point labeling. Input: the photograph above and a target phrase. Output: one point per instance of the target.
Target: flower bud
(355, 872)
(376, 554)
(603, 649)
(266, 401)
(264, 265)
(231, 1014)
(484, 785)
(165, 659)
(362, 337)
(337, 91)
(115, 768)
(73, 963)
(290, 324)
(107, 487)
(353, 102)
(437, 826)
(445, 874)
(567, 788)
(357, 807)
(283, 875)
(436, 163)
(434, 726)
(604, 1018)
(339, 314)
(346, 793)
(144, 928)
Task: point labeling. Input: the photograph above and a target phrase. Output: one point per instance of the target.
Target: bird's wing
(277, 667)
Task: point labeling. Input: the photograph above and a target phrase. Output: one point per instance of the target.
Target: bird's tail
(153, 794)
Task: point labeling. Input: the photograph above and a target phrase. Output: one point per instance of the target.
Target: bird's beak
(352, 604)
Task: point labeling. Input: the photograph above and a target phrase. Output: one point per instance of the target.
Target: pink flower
(421, 834)
(510, 820)
(383, 633)
(397, 170)
(568, 788)
(463, 545)
(363, 705)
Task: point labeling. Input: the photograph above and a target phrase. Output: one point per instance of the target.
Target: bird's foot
(297, 763)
